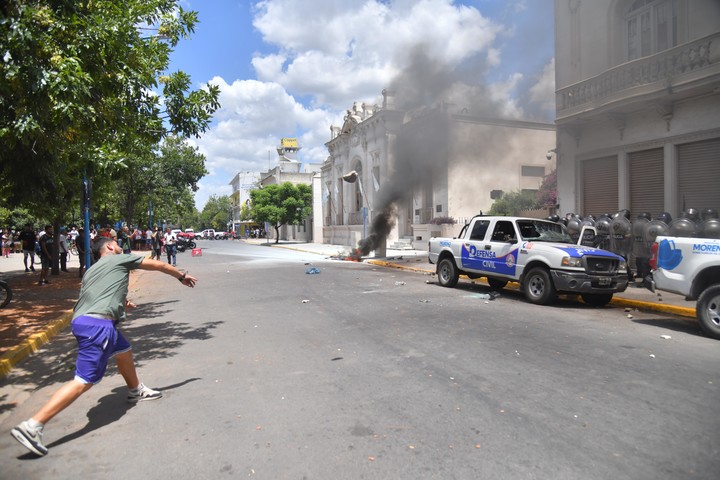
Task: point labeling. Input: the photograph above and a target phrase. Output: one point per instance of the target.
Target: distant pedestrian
(170, 242)
(62, 249)
(47, 247)
(80, 245)
(123, 239)
(157, 243)
(100, 307)
(29, 240)
(148, 239)
(7, 240)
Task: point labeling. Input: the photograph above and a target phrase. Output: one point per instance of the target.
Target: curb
(33, 343)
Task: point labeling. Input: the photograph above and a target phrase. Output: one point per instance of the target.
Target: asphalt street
(364, 372)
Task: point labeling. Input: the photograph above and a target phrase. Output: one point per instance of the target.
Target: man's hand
(129, 305)
(189, 281)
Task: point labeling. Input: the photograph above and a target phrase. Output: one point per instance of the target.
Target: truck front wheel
(538, 287)
(708, 311)
(597, 299)
(447, 273)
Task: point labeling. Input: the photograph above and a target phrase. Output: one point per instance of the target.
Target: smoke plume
(426, 90)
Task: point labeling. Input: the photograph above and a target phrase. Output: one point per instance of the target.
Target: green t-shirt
(105, 287)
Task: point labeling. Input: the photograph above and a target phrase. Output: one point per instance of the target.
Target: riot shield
(654, 229)
(602, 225)
(683, 227)
(621, 236)
(710, 228)
(640, 247)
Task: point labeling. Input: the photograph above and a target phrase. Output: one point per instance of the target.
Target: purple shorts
(98, 340)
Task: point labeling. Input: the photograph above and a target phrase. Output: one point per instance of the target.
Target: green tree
(164, 180)
(512, 203)
(83, 89)
(216, 213)
(281, 204)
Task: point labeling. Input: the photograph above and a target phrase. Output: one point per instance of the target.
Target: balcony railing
(662, 69)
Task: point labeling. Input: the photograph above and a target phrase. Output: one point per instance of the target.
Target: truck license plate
(604, 281)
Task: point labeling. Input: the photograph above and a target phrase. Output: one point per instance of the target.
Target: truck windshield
(543, 231)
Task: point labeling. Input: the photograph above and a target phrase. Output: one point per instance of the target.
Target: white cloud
(328, 54)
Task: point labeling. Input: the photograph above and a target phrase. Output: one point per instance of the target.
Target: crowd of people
(37, 246)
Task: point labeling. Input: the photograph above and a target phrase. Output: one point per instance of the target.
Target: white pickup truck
(537, 253)
(690, 267)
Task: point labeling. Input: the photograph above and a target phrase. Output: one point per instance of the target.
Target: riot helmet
(691, 214)
(665, 217)
(709, 213)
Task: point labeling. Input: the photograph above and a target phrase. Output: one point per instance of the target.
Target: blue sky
(291, 68)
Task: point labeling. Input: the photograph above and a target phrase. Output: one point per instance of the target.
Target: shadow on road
(55, 362)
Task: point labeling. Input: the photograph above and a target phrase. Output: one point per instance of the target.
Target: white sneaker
(30, 438)
(143, 393)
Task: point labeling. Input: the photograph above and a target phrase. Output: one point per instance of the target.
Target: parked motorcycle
(184, 243)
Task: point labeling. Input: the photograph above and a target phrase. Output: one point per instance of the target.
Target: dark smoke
(426, 91)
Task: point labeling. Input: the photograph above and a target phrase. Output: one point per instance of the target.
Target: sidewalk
(36, 313)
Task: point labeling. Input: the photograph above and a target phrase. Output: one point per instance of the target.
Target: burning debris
(354, 255)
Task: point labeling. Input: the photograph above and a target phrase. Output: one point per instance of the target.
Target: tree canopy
(84, 91)
(512, 203)
(217, 213)
(281, 204)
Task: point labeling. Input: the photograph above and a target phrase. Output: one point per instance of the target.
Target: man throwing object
(100, 307)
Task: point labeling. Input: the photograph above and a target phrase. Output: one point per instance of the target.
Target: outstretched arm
(185, 279)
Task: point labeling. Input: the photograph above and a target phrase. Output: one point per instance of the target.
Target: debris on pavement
(666, 337)
(312, 271)
(306, 301)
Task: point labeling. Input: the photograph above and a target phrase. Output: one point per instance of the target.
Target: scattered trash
(196, 252)
(486, 296)
(652, 355)
(428, 281)
(424, 301)
(629, 316)
(336, 359)
(312, 271)
(306, 301)
(666, 337)
(399, 283)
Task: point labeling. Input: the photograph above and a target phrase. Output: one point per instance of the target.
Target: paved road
(366, 372)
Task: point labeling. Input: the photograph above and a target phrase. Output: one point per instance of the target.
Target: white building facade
(241, 185)
(638, 105)
(441, 163)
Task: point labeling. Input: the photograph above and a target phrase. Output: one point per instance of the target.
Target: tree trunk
(277, 233)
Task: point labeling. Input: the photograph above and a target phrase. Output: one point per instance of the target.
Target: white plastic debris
(399, 283)
(666, 337)
(652, 355)
(306, 301)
